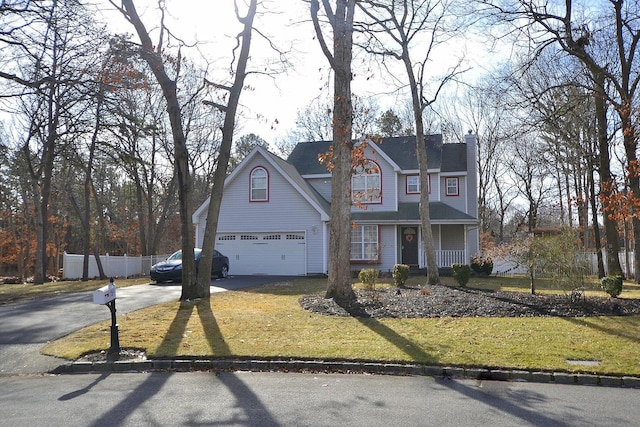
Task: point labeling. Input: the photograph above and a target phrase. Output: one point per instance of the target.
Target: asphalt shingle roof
(401, 150)
(438, 211)
(301, 182)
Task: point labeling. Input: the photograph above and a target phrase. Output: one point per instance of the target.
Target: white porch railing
(445, 259)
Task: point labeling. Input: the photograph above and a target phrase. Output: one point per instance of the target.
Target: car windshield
(177, 256)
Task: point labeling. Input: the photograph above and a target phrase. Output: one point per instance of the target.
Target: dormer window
(259, 191)
(365, 183)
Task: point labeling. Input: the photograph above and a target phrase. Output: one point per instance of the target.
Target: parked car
(171, 269)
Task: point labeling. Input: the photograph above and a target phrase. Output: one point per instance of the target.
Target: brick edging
(256, 365)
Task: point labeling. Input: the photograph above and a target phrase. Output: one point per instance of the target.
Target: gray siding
(322, 186)
(388, 186)
(460, 201)
(403, 197)
(286, 210)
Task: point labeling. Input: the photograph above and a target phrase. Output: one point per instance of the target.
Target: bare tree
(395, 30)
(155, 57)
(483, 109)
(136, 136)
(48, 51)
(605, 41)
(340, 21)
(234, 91)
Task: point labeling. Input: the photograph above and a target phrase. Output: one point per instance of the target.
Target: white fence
(113, 266)
(507, 267)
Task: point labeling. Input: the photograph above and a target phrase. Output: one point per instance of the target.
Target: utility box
(105, 294)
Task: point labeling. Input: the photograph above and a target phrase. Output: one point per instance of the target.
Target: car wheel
(224, 272)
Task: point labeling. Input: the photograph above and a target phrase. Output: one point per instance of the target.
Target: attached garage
(265, 253)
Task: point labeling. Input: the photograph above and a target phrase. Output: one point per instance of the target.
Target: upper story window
(413, 184)
(453, 186)
(259, 191)
(365, 184)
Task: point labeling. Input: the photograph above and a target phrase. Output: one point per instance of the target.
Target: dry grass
(26, 291)
(268, 322)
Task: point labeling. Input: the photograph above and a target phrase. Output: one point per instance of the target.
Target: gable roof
(399, 150)
(288, 172)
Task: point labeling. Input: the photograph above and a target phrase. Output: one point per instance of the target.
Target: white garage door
(264, 253)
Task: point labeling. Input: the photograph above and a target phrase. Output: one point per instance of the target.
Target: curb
(311, 366)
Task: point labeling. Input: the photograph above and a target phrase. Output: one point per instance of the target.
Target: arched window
(259, 191)
(365, 183)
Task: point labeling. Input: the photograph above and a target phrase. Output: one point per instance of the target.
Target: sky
(270, 102)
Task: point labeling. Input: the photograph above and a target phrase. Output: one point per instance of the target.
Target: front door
(409, 236)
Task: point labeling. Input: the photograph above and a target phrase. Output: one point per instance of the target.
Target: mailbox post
(106, 295)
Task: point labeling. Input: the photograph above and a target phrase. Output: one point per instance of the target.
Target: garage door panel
(264, 253)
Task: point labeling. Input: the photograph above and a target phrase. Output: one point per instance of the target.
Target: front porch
(445, 259)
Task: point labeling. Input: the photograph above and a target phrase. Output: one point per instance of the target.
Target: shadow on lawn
(413, 350)
(620, 326)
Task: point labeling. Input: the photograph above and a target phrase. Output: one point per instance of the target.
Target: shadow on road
(84, 390)
(255, 412)
(518, 403)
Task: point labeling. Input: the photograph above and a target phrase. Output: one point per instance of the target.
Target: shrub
(482, 265)
(368, 277)
(612, 285)
(462, 273)
(400, 274)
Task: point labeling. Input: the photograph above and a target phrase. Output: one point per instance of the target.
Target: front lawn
(268, 322)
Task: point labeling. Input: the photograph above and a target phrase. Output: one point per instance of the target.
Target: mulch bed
(445, 301)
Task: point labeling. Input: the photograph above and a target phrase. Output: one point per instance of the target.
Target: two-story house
(275, 213)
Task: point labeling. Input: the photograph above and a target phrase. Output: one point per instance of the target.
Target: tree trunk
(215, 201)
(433, 275)
(169, 91)
(610, 230)
(594, 216)
(339, 281)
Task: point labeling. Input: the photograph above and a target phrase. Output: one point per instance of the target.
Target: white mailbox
(105, 294)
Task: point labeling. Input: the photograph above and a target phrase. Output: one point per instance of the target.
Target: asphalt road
(290, 399)
(27, 326)
(261, 398)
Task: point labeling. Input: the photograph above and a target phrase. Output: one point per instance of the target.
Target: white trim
(421, 253)
(325, 249)
(417, 171)
(316, 176)
(396, 248)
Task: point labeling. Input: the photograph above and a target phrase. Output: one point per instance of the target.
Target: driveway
(29, 325)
